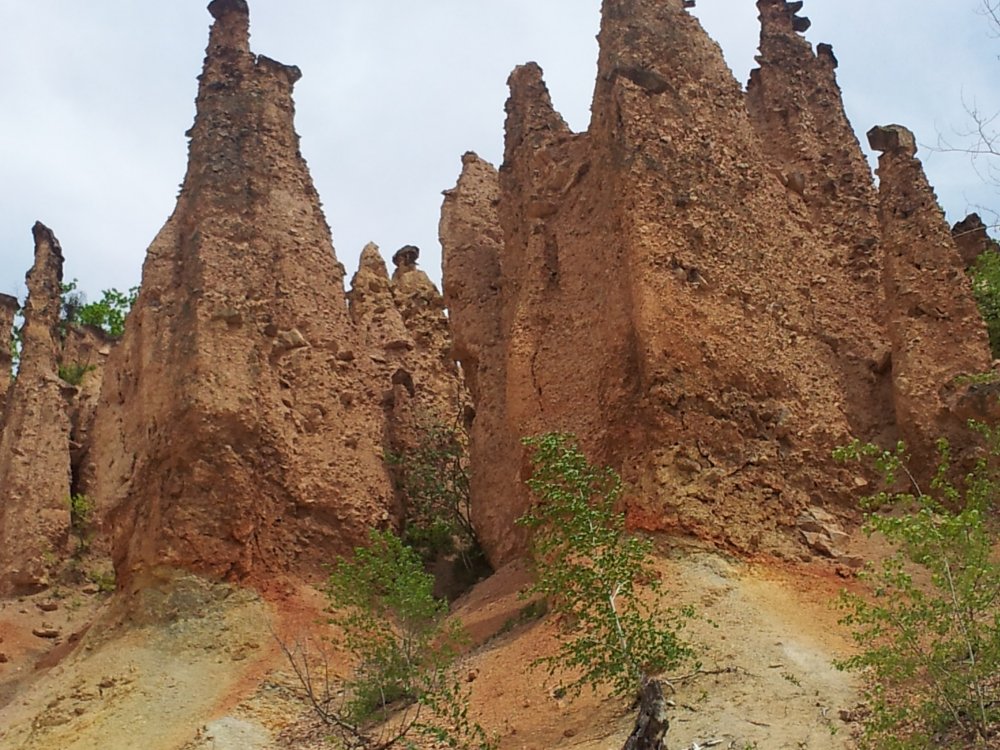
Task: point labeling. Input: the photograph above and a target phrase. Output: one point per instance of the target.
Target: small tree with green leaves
(402, 686)
(81, 510)
(590, 568)
(929, 630)
(107, 314)
(434, 479)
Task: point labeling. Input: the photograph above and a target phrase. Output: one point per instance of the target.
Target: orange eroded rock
(34, 447)
(937, 334)
(225, 441)
(703, 309)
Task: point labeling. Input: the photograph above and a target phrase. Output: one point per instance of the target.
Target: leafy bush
(14, 343)
(80, 515)
(434, 477)
(391, 621)
(985, 274)
(588, 566)
(73, 372)
(383, 605)
(929, 633)
(108, 313)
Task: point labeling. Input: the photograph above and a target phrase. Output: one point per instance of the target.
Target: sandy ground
(196, 667)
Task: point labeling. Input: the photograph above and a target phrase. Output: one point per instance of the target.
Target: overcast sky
(96, 96)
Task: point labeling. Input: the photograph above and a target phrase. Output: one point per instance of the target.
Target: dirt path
(767, 677)
(198, 669)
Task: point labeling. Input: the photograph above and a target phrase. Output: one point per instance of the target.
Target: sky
(96, 97)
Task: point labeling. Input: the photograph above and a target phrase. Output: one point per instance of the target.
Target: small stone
(292, 339)
(47, 606)
(45, 632)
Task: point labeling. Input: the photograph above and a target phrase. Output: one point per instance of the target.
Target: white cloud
(97, 97)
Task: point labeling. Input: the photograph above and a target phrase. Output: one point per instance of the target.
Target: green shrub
(587, 566)
(434, 478)
(108, 313)
(73, 372)
(929, 631)
(985, 274)
(383, 605)
(80, 516)
(105, 580)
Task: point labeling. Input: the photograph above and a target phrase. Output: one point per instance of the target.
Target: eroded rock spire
(34, 446)
(796, 107)
(936, 332)
(239, 432)
(655, 288)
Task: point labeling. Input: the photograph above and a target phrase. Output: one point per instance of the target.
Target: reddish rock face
(34, 447)
(795, 105)
(937, 334)
(703, 311)
(239, 432)
(472, 242)
(406, 332)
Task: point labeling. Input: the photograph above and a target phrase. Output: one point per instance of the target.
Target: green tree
(81, 511)
(434, 478)
(15, 344)
(108, 313)
(929, 629)
(384, 605)
(589, 569)
(382, 602)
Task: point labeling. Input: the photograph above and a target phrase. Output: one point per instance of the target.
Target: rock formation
(86, 349)
(972, 239)
(937, 334)
(34, 446)
(702, 310)
(239, 432)
(8, 309)
(431, 380)
(405, 330)
(472, 240)
(795, 105)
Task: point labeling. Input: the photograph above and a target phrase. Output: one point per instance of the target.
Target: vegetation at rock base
(590, 569)
(434, 479)
(73, 372)
(403, 686)
(929, 632)
(80, 516)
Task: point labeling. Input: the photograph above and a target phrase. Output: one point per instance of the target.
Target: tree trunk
(651, 724)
